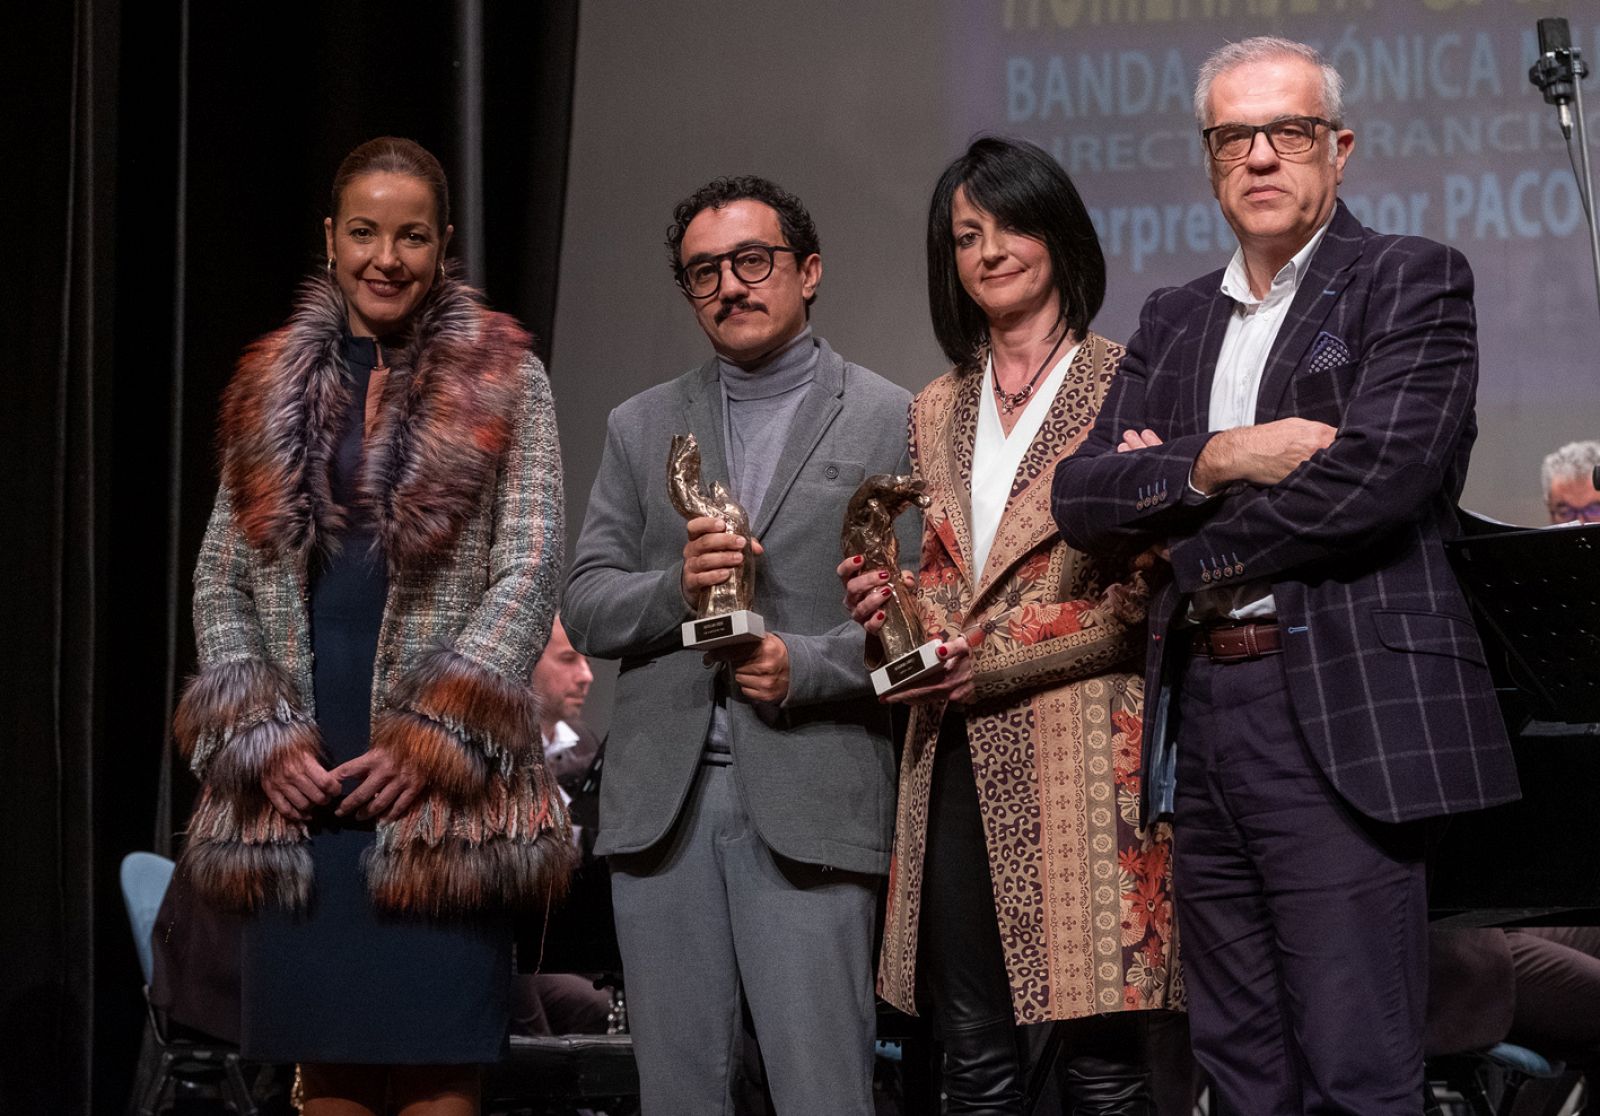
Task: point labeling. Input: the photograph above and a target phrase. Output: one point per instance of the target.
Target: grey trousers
(712, 909)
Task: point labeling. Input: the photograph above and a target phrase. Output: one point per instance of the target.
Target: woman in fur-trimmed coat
(378, 577)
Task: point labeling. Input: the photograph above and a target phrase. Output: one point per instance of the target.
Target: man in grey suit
(747, 801)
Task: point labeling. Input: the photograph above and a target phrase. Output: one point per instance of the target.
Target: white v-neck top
(996, 454)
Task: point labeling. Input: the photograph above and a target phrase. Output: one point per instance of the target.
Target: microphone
(1556, 69)
(1555, 34)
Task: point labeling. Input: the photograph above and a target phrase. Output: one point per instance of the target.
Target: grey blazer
(816, 773)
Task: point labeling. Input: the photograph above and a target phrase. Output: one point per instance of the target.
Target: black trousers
(1304, 923)
(960, 964)
(962, 974)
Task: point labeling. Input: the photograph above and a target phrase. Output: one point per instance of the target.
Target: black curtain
(167, 168)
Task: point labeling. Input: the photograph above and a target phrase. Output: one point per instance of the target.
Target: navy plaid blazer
(1386, 675)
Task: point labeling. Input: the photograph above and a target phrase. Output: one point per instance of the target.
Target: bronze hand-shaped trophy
(869, 531)
(722, 611)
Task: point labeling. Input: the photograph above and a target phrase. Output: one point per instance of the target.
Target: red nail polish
(943, 650)
(856, 559)
(878, 617)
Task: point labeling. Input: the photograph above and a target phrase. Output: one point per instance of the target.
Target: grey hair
(1573, 460)
(1263, 48)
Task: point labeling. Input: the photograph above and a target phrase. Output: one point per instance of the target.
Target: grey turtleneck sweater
(758, 407)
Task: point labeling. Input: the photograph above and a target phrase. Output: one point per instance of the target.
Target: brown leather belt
(1238, 643)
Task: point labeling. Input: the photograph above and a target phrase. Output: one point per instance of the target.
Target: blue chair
(1504, 1080)
(167, 1061)
(145, 877)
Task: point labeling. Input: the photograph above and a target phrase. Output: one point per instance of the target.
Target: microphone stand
(1565, 65)
(1586, 184)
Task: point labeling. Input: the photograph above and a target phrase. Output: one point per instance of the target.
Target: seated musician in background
(564, 1003)
(1570, 495)
(561, 680)
(1536, 987)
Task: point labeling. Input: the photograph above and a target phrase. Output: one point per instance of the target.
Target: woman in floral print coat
(1021, 889)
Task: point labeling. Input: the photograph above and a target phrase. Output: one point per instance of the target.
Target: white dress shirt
(1252, 328)
(563, 738)
(996, 454)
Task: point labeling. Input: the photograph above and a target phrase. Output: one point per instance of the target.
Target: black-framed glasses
(752, 263)
(1288, 135)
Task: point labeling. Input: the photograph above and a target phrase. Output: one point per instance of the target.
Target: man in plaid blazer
(1290, 435)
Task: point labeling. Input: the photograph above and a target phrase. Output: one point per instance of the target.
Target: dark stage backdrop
(167, 168)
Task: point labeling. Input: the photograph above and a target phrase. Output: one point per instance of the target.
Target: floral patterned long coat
(1083, 896)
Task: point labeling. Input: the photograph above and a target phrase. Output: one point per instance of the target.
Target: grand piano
(1534, 862)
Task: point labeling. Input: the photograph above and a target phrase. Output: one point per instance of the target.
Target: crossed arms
(1284, 494)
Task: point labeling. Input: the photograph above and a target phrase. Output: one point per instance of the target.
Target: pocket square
(1327, 352)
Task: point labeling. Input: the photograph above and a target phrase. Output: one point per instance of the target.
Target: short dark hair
(394, 155)
(793, 218)
(1024, 188)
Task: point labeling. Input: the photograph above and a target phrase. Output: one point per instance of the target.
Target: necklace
(1010, 401)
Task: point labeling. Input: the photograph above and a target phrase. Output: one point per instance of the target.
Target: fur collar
(441, 429)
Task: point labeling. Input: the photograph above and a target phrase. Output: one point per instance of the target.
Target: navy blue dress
(343, 982)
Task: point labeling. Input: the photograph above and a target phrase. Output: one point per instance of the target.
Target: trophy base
(908, 670)
(726, 630)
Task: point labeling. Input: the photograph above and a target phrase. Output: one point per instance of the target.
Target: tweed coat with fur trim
(462, 477)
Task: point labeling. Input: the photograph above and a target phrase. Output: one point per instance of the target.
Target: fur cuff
(242, 859)
(236, 720)
(513, 848)
(234, 876)
(457, 876)
(455, 723)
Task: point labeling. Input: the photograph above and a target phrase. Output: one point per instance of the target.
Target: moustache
(729, 307)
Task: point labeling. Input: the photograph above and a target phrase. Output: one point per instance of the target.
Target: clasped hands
(761, 671)
(387, 789)
(866, 591)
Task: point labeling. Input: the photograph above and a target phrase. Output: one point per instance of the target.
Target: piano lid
(1536, 595)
